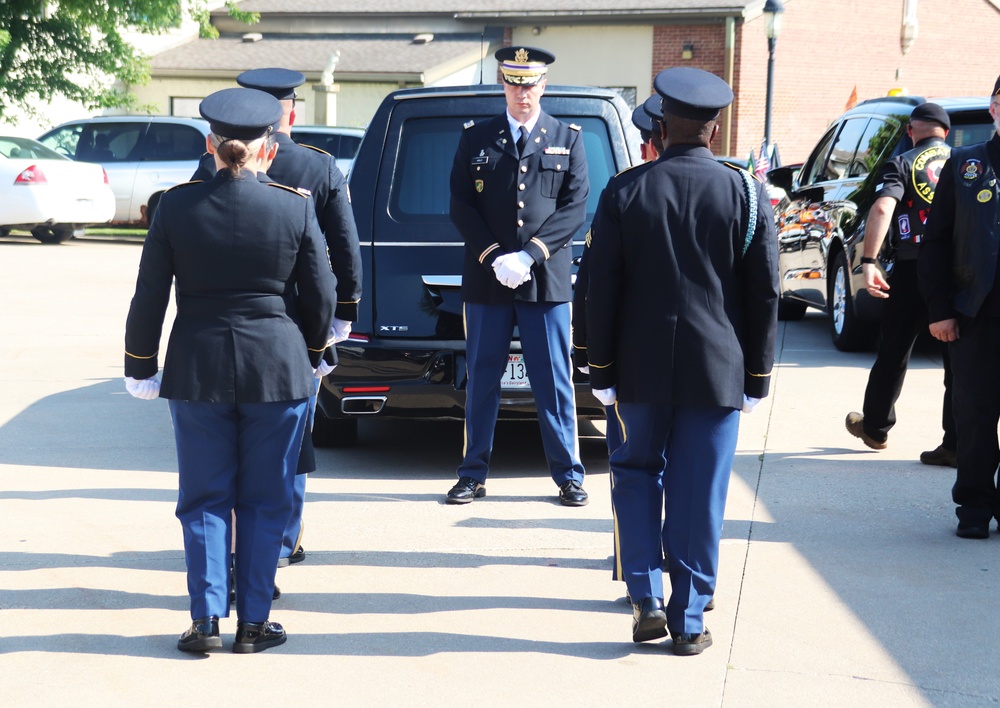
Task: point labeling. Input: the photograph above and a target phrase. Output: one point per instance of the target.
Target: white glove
(583, 369)
(325, 367)
(749, 403)
(513, 269)
(607, 396)
(340, 330)
(146, 389)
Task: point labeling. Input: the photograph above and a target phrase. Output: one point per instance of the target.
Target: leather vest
(921, 165)
(976, 234)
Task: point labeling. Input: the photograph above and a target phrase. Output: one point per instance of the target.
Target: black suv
(821, 221)
(406, 355)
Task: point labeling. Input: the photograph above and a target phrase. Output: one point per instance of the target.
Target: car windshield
(26, 149)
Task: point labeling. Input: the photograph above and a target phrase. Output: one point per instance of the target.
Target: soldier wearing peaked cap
(255, 302)
(648, 124)
(647, 117)
(681, 321)
(316, 172)
(519, 191)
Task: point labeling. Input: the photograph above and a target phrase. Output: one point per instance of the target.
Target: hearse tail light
(366, 389)
(358, 337)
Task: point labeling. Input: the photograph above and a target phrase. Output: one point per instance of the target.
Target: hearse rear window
(420, 185)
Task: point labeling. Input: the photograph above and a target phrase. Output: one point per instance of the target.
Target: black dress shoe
(202, 635)
(252, 637)
(691, 644)
(649, 621)
(973, 529)
(465, 491)
(571, 494)
(941, 456)
(297, 557)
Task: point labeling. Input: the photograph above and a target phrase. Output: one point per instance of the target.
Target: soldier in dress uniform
(518, 196)
(642, 119)
(316, 172)
(239, 370)
(648, 121)
(681, 321)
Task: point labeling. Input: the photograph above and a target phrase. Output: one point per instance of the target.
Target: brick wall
(822, 54)
(709, 42)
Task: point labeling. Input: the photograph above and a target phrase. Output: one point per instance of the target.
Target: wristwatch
(865, 260)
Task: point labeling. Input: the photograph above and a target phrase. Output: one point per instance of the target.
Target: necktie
(522, 140)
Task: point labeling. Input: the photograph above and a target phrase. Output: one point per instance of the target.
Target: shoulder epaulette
(182, 184)
(468, 124)
(285, 187)
(742, 169)
(630, 167)
(311, 147)
(574, 126)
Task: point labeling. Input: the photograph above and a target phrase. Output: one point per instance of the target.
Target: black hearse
(406, 354)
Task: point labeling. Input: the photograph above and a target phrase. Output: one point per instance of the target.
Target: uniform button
(520, 205)
(520, 222)
(521, 186)
(558, 167)
(524, 168)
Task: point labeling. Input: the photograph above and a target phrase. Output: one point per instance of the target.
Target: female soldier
(239, 369)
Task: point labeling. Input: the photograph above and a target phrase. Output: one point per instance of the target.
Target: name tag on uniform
(556, 151)
(480, 160)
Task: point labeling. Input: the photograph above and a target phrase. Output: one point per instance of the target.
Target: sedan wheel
(849, 334)
(52, 234)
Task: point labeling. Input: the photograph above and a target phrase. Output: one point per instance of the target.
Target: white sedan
(48, 194)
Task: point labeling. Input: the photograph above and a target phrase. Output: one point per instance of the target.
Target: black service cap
(654, 107)
(642, 121)
(931, 112)
(692, 93)
(280, 83)
(241, 113)
(523, 66)
(996, 87)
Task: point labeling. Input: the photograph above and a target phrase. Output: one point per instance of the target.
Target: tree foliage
(76, 49)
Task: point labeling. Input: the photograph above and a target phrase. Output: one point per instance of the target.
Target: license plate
(515, 375)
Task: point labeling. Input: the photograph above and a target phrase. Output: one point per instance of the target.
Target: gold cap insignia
(521, 56)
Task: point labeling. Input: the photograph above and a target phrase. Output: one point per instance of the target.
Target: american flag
(763, 163)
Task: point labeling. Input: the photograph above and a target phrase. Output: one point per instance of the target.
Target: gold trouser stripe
(465, 420)
(619, 572)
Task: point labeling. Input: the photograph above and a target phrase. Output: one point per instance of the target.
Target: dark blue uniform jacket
(502, 204)
(675, 312)
(317, 172)
(246, 256)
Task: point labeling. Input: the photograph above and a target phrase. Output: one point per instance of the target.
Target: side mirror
(783, 177)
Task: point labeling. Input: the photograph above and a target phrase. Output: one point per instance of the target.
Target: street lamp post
(772, 14)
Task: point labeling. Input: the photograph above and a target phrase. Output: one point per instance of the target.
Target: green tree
(75, 48)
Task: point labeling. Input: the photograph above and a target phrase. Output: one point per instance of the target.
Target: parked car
(45, 193)
(406, 355)
(820, 220)
(342, 143)
(142, 155)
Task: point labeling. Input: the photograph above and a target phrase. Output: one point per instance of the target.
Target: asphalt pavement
(841, 580)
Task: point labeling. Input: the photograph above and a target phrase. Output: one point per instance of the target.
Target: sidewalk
(841, 579)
